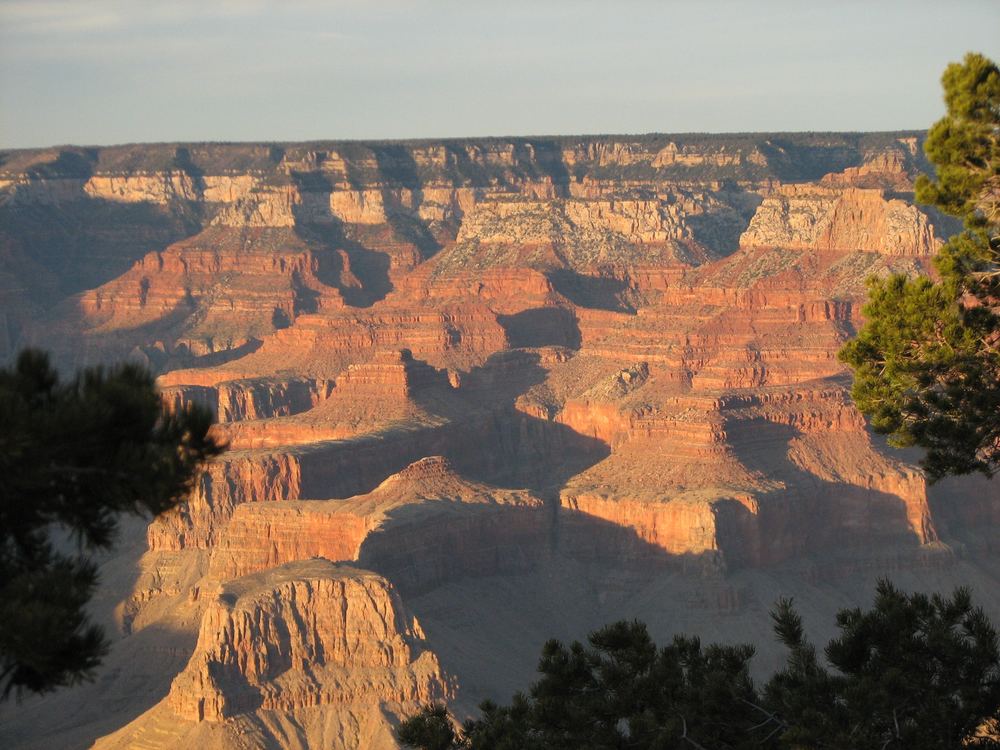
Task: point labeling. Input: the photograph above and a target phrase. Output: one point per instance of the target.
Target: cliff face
(255, 649)
(421, 526)
(528, 385)
(298, 641)
(832, 219)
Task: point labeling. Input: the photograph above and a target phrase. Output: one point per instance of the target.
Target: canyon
(476, 394)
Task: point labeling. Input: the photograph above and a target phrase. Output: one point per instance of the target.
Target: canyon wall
(518, 387)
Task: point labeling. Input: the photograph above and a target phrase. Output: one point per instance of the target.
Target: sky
(97, 72)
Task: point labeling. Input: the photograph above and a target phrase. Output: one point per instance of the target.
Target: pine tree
(74, 456)
(927, 363)
(619, 691)
(914, 671)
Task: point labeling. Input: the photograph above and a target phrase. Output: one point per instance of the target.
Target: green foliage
(619, 691)
(74, 456)
(927, 362)
(924, 375)
(914, 672)
(963, 145)
(431, 729)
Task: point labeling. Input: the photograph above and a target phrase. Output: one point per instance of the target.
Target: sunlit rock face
(834, 219)
(266, 640)
(476, 394)
(301, 650)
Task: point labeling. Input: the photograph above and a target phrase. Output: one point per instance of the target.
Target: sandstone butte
(477, 394)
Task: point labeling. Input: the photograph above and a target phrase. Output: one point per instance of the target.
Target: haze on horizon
(116, 71)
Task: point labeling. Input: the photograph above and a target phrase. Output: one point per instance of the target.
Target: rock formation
(517, 387)
(815, 217)
(305, 647)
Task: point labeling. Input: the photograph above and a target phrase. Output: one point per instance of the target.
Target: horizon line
(441, 139)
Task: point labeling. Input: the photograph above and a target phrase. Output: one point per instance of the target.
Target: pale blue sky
(117, 71)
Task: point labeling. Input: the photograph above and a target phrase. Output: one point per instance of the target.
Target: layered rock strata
(421, 526)
(255, 651)
(527, 385)
(299, 641)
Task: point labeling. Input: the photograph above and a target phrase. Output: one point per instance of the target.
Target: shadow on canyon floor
(548, 158)
(487, 627)
(720, 230)
(71, 349)
(501, 446)
(360, 274)
(487, 438)
(596, 292)
(219, 358)
(810, 513)
(345, 256)
(396, 162)
(133, 677)
(542, 326)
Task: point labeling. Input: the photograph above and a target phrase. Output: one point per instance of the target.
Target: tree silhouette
(74, 456)
(913, 672)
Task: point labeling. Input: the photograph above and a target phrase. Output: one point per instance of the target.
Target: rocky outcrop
(578, 234)
(157, 187)
(669, 155)
(310, 653)
(305, 635)
(421, 526)
(28, 190)
(235, 478)
(251, 399)
(503, 446)
(456, 335)
(839, 220)
(756, 478)
(890, 169)
(391, 389)
(269, 207)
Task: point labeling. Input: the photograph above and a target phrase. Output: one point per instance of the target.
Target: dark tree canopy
(927, 363)
(914, 672)
(74, 456)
